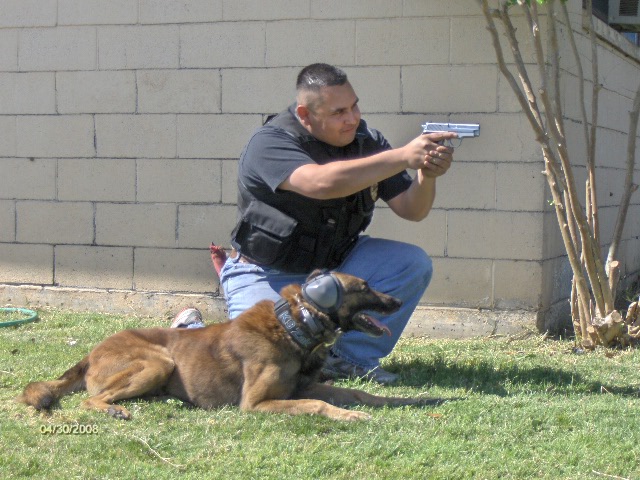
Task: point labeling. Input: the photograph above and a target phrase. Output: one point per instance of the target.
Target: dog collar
(307, 334)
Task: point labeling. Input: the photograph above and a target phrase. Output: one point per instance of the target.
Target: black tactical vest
(297, 234)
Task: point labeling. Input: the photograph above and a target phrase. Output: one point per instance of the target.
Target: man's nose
(352, 117)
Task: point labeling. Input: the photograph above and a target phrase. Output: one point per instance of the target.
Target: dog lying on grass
(268, 359)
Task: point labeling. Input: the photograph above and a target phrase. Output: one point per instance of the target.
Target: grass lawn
(531, 409)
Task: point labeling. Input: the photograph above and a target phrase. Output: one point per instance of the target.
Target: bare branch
(502, 65)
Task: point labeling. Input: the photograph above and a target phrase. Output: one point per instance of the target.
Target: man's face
(331, 115)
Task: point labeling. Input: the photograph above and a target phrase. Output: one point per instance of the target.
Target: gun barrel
(464, 130)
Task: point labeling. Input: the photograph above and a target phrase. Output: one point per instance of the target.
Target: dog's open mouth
(370, 325)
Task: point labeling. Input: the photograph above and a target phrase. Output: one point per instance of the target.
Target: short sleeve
(271, 155)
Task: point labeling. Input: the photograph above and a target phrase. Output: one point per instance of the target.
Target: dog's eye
(365, 287)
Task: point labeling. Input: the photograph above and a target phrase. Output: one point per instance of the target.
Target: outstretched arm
(343, 178)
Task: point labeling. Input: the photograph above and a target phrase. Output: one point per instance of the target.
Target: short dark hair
(317, 75)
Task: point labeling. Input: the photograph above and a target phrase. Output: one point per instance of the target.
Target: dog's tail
(42, 395)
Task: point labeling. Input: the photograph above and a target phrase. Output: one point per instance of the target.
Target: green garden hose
(31, 316)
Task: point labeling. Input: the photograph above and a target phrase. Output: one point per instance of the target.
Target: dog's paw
(118, 412)
(354, 416)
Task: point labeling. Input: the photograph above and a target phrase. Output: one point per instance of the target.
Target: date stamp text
(69, 429)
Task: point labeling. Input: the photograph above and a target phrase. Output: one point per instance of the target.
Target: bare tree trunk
(592, 299)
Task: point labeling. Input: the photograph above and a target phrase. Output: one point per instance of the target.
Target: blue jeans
(391, 267)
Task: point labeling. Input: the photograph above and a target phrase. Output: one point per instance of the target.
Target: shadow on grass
(484, 377)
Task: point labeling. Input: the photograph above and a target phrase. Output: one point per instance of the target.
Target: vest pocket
(264, 234)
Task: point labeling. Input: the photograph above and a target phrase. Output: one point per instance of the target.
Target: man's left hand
(438, 161)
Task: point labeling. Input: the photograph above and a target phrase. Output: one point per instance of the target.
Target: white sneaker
(188, 318)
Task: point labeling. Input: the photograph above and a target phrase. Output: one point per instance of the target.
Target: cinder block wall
(122, 120)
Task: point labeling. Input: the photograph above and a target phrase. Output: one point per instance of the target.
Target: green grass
(530, 409)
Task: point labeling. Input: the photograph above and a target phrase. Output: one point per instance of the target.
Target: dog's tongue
(378, 324)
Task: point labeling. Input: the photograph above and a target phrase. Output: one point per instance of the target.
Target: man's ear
(303, 114)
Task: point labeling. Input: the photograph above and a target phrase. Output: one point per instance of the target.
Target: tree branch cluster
(594, 284)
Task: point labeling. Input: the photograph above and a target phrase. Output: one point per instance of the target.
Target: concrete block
(97, 12)
(7, 221)
(401, 129)
(9, 50)
(607, 219)
(94, 267)
(498, 235)
(610, 186)
(28, 179)
(429, 234)
(22, 263)
(611, 147)
(27, 13)
(507, 100)
(460, 283)
(469, 35)
(146, 225)
(401, 41)
(23, 93)
(467, 185)
(503, 138)
(179, 91)
(458, 323)
(520, 186)
(97, 179)
(136, 46)
(199, 225)
(230, 44)
(258, 90)
(630, 257)
(173, 270)
(437, 8)
(54, 222)
(571, 100)
(214, 136)
(517, 285)
(55, 136)
(378, 88)
(556, 286)
(182, 11)
(446, 88)
(54, 49)
(552, 236)
(337, 46)
(8, 146)
(624, 81)
(271, 10)
(142, 304)
(96, 92)
(150, 136)
(356, 9)
(229, 181)
(179, 181)
(609, 107)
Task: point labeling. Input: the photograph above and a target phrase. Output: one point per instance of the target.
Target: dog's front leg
(269, 390)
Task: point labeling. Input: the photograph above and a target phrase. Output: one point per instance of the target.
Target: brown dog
(267, 359)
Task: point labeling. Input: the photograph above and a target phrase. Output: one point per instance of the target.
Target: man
(308, 181)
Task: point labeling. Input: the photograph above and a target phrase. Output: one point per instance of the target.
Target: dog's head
(345, 299)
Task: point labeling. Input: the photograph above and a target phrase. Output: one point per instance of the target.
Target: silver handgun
(464, 130)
